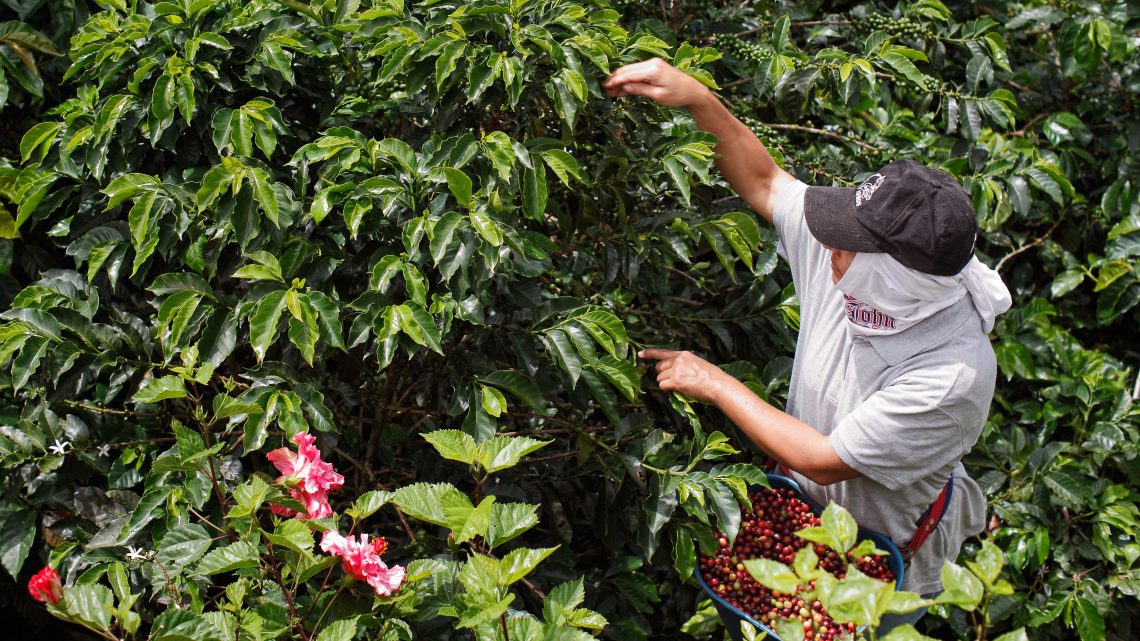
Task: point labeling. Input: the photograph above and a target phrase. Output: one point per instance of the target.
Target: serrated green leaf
(292, 534)
(561, 602)
(502, 452)
(184, 625)
(90, 605)
(521, 561)
(423, 501)
(840, 525)
(465, 520)
(234, 556)
(960, 587)
(509, 520)
(366, 504)
(250, 495)
(344, 629)
(160, 389)
(772, 575)
(183, 545)
(453, 445)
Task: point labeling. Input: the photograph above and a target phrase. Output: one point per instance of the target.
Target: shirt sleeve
(909, 429)
(788, 218)
(808, 260)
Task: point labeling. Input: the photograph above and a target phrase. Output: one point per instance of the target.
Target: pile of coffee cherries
(768, 532)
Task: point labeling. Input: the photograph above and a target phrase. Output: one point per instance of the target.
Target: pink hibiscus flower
(309, 478)
(362, 560)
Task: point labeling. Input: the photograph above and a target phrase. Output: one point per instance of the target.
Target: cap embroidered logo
(867, 189)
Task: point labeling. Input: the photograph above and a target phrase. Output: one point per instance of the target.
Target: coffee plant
(319, 316)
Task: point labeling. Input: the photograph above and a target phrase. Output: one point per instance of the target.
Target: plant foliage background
(421, 232)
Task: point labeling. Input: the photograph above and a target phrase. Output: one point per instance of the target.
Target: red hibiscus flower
(45, 587)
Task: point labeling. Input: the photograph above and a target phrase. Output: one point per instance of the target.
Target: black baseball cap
(920, 216)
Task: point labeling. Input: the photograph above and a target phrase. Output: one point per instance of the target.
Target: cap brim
(830, 215)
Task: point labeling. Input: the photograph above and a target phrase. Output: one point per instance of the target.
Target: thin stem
(214, 479)
(207, 521)
(364, 470)
(552, 457)
(824, 132)
(327, 607)
(407, 528)
(1025, 248)
(328, 575)
(503, 622)
(1029, 125)
(104, 410)
(298, 624)
(736, 83)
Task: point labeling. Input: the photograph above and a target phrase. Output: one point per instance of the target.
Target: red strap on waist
(929, 520)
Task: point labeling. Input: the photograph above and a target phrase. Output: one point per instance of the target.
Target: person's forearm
(744, 161)
(787, 439)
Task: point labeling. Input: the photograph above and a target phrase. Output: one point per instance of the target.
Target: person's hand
(657, 80)
(687, 373)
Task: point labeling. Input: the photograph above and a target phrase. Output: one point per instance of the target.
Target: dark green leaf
(183, 545)
(263, 322)
(519, 385)
(231, 557)
(17, 531)
(159, 389)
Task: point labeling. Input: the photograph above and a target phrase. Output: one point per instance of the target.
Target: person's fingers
(644, 89)
(664, 365)
(656, 354)
(636, 72)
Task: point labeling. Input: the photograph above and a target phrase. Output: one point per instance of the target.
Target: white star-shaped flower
(136, 554)
(105, 450)
(60, 447)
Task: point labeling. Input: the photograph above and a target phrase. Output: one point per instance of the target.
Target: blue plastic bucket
(733, 616)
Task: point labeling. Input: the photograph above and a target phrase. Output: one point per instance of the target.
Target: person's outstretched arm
(792, 442)
(744, 161)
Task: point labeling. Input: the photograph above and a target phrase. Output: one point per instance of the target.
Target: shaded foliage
(227, 222)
